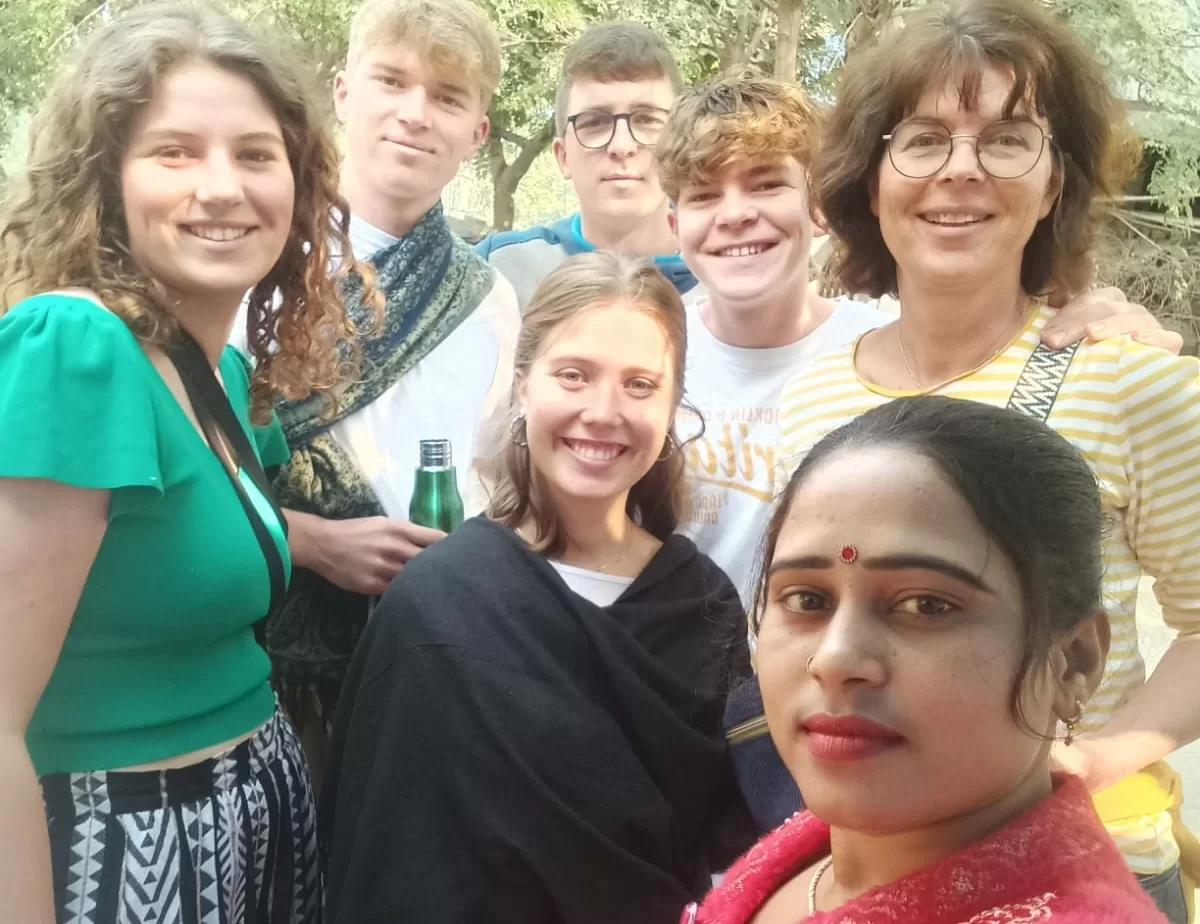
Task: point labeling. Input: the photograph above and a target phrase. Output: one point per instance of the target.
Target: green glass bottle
(436, 502)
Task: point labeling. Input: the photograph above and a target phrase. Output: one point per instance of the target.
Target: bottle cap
(436, 454)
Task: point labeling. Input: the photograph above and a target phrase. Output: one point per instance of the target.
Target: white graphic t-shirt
(732, 465)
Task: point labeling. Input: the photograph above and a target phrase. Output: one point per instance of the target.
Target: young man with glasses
(618, 83)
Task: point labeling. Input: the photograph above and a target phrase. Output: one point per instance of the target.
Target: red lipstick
(848, 737)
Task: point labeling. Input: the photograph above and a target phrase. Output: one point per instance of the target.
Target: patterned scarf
(432, 281)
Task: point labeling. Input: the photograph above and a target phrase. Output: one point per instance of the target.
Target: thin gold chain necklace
(816, 879)
(627, 547)
(1005, 339)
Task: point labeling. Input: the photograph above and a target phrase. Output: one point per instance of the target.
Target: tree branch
(516, 139)
(74, 30)
(494, 150)
(532, 148)
(757, 36)
(1139, 105)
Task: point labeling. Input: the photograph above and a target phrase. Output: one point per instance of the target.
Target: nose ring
(808, 665)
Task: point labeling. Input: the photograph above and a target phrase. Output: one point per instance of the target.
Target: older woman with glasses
(964, 159)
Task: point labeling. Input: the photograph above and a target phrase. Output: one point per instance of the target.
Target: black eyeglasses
(595, 128)
(1005, 150)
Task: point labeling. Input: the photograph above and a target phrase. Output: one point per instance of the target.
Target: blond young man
(413, 99)
(732, 158)
(618, 83)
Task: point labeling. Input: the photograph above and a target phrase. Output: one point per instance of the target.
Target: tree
(35, 32)
(789, 14)
(533, 35)
(1152, 48)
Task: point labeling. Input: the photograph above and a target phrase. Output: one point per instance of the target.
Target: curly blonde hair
(64, 226)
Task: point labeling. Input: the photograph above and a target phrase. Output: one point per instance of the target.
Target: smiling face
(409, 126)
(961, 226)
(913, 619)
(599, 399)
(207, 189)
(618, 182)
(746, 235)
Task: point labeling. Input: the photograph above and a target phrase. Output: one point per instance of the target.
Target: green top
(160, 659)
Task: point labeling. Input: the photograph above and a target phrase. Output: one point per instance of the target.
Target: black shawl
(506, 751)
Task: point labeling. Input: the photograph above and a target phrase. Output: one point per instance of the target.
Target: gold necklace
(603, 569)
(627, 547)
(812, 886)
(1005, 339)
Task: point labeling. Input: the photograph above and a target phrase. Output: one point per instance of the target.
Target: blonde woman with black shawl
(531, 727)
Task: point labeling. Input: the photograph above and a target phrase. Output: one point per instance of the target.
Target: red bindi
(848, 555)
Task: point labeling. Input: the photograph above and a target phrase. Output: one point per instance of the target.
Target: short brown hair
(733, 119)
(1053, 72)
(454, 35)
(588, 282)
(610, 52)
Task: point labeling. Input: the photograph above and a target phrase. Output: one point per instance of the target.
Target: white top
(602, 589)
(461, 392)
(732, 466)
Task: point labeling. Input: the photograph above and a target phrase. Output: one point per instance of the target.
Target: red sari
(1054, 863)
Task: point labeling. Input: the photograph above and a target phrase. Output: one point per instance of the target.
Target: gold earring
(1072, 723)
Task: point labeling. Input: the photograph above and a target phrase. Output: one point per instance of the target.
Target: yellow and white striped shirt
(1134, 413)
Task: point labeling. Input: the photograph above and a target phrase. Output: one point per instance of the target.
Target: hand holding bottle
(361, 555)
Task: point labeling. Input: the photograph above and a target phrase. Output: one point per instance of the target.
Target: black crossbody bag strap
(212, 409)
(1041, 380)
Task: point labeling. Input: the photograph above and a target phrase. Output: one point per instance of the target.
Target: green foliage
(1152, 48)
(1152, 51)
(35, 32)
(321, 26)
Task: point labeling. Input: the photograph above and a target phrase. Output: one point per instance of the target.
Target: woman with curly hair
(178, 163)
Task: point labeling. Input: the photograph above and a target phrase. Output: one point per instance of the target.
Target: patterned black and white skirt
(229, 840)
